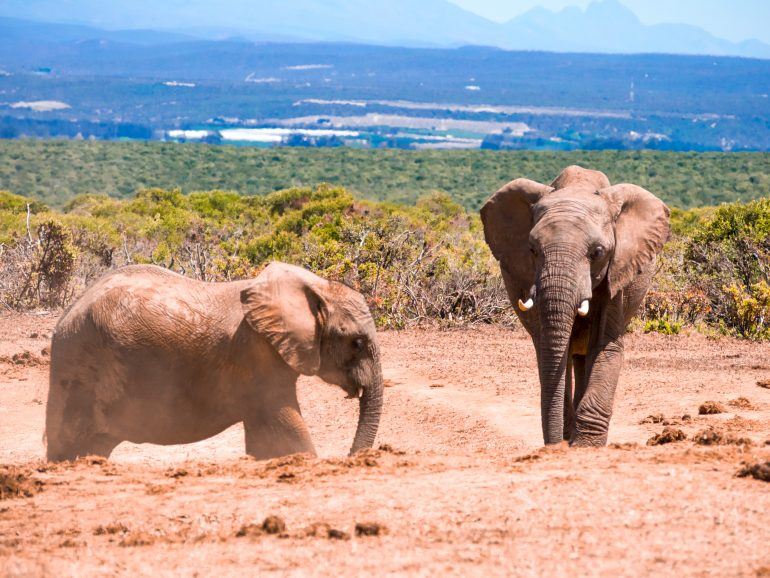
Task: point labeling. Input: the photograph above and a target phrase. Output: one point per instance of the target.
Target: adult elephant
(149, 356)
(577, 258)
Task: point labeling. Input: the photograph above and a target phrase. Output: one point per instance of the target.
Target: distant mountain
(606, 26)
(394, 22)
(21, 32)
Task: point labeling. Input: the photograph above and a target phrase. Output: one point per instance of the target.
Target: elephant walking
(149, 356)
(577, 258)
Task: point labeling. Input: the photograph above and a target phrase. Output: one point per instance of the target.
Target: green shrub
(663, 325)
(728, 260)
(737, 221)
(17, 203)
(748, 310)
(414, 263)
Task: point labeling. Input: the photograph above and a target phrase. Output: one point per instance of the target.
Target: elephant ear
(641, 230)
(507, 219)
(285, 306)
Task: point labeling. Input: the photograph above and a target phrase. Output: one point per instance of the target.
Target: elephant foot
(569, 429)
(262, 450)
(588, 441)
(95, 445)
(560, 446)
(278, 436)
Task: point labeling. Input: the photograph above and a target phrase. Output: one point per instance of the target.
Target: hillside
(608, 26)
(604, 26)
(54, 172)
(24, 34)
(390, 97)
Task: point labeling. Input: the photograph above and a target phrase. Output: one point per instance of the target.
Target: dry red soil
(462, 486)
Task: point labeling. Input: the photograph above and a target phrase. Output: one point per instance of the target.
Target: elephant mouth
(582, 310)
(353, 391)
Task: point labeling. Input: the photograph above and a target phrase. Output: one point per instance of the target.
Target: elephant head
(321, 328)
(565, 251)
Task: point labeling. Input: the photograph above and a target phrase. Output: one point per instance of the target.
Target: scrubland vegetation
(54, 172)
(414, 263)
(421, 263)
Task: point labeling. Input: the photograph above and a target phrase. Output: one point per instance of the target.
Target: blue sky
(734, 20)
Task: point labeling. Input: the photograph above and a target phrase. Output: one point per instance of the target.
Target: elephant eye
(358, 344)
(597, 253)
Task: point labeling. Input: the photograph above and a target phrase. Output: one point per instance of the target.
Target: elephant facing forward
(149, 356)
(577, 258)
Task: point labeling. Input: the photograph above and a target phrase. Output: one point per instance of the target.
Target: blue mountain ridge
(606, 26)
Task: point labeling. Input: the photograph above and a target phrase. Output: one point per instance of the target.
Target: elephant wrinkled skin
(149, 356)
(577, 258)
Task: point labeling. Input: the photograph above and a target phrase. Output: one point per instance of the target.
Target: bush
(422, 263)
(663, 325)
(413, 263)
(748, 311)
(37, 271)
(728, 259)
(17, 203)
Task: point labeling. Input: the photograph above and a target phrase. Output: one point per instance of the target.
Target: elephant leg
(569, 410)
(93, 445)
(579, 365)
(77, 431)
(279, 433)
(99, 445)
(59, 450)
(594, 407)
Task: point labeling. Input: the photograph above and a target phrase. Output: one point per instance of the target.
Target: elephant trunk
(370, 410)
(557, 301)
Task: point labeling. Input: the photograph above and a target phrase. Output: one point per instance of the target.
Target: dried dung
(667, 436)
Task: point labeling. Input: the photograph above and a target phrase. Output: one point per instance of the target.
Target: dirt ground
(461, 485)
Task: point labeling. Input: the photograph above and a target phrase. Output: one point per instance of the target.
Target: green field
(54, 172)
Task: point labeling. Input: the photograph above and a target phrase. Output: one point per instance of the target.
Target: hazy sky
(731, 19)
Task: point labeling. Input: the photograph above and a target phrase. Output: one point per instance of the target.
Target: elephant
(577, 259)
(148, 356)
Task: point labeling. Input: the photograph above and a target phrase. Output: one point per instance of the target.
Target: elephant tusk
(584, 307)
(526, 306)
